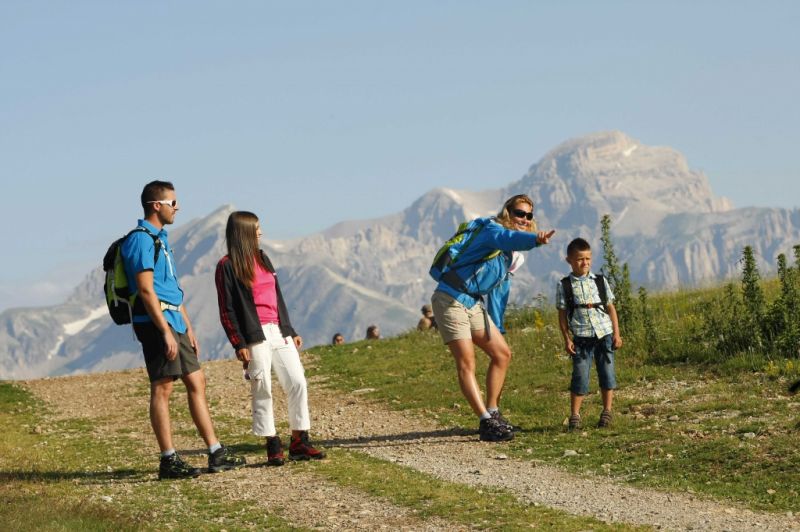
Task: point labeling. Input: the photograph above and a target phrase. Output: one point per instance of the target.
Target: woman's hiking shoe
(503, 421)
(605, 419)
(492, 430)
(274, 451)
(173, 466)
(222, 460)
(301, 449)
(574, 422)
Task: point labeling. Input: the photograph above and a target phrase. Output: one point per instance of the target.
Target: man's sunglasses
(172, 203)
(519, 213)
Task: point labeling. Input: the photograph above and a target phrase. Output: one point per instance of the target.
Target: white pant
(279, 353)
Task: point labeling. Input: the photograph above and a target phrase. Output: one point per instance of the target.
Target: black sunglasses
(519, 213)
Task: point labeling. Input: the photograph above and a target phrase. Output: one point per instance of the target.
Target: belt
(167, 306)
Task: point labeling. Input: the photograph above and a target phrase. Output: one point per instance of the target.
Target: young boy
(590, 330)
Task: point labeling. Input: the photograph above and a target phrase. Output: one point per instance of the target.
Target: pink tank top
(265, 295)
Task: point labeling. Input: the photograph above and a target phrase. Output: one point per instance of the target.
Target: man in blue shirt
(162, 325)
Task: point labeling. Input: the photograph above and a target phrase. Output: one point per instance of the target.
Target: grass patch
(728, 430)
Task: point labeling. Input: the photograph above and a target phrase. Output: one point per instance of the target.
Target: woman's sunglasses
(519, 213)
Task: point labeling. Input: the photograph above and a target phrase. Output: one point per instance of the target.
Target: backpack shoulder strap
(569, 297)
(599, 280)
(156, 241)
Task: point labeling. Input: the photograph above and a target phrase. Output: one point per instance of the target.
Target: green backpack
(446, 262)
(119, 297)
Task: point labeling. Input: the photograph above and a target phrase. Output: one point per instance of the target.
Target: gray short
(455, 321)
(155, 358)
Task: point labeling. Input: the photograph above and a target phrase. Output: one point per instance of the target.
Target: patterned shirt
(586, 322)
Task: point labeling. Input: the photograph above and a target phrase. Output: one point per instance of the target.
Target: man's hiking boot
(301, 449)
(274, 451)
(492, 430)
(503, 421)
(222, 460)
(574, 422)
(173, 467)
(605, 419)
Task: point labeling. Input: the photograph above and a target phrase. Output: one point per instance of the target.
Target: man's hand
(193, 341)
(543, 237)
(170, 346)
(298, 342)
(617, 340)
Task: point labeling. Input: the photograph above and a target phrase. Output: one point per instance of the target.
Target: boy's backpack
(569, 296)
(445, 263)
(119, 297)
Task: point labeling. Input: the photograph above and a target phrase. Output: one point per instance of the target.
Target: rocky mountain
(667, 225)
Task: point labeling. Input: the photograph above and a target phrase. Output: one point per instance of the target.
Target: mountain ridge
(667, 224)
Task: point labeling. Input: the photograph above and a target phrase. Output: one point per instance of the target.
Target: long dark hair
(241, 237)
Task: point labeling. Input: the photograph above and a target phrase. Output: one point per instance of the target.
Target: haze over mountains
(667, 225)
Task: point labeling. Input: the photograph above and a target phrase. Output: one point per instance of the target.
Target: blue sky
(310, 113)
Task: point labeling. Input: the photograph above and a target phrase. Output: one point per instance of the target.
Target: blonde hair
(504, 217)
(241, 237)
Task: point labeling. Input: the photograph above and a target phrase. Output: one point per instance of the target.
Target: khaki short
(455, 321)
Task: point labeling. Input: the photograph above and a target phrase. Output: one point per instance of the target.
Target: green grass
(734, 438)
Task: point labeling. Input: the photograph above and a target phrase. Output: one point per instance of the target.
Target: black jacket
(237, 309)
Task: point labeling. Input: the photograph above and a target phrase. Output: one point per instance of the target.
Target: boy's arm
(189, 331)
(612, 313)
(564, 326)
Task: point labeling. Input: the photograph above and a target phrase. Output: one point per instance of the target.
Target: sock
(493, 409)
(167, 453)
(485, 415)
(213, 448)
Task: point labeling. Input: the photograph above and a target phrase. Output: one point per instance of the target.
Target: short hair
(153, 191)
(578, 244)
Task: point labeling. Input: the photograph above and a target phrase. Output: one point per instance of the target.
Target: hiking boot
(222, 460)
(492, 430)
(574, 422)
(503, 421)
(301, 449)
(605, 419)
(274, 451)
(173, 467)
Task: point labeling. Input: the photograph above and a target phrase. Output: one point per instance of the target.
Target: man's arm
(147, 293)
(189, 331)
(612, 313)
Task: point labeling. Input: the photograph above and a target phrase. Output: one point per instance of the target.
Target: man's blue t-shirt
(137, 255)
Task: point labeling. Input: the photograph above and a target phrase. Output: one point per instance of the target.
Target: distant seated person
(373, 333)
(338, 339)
(427, 321)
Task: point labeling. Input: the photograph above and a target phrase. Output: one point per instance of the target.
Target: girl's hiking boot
(503, 421)
(173, 467)
(222, 460)
(301, 449)
(492, 430)
(274, 451)
(574, 422)
(605, 419)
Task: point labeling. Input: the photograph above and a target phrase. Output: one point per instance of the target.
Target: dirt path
(348, 421)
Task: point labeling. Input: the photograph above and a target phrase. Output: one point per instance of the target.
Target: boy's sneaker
(605, 419)
(503, 421)
(222, 460)
(173, 467)
(274, 451)
(301, 449)
(574, 422)
(492, 430)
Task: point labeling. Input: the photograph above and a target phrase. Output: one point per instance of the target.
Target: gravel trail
(351, 422)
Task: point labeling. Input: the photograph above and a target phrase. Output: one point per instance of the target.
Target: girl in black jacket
(254, 316)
